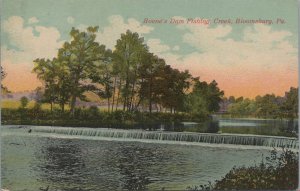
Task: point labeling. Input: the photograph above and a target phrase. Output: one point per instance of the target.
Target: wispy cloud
(108, 35)
(156, 46)
(33, 20)
(263, 61)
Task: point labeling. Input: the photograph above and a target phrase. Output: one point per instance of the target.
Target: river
(65, 162)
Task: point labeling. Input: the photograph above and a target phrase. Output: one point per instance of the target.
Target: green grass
(12, 104)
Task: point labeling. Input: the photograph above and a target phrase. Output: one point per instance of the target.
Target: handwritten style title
(203, 21)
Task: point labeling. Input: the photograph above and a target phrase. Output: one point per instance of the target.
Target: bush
(213, 127)
(24, 101)
(279, 172)
(93, 112)
(92, 117)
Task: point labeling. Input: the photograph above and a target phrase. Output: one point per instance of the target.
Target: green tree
(239, 99)
(128, 55)
(79, 57)
(196, 104)
(38, 94)
(204, 98)
(46, 71)
(242, 108)
(103, 77)
(55, 76)
(214, 96)
(24, 102)
(151, 78)
(290, 106)
(174, 86)
(231, 99)
(267, 106)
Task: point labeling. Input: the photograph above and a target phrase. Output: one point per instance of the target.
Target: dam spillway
(211, 138)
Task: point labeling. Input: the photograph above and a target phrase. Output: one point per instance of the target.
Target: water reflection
(89, 165)
(136, 164)
(60, 162)
(259, 126)
(67, 165)
(134, 173)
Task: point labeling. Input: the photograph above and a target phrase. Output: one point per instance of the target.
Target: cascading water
(254, 140)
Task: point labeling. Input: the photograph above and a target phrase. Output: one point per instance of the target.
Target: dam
(160, 136)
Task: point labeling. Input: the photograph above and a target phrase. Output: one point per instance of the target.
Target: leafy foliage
(204, 98)
(24, 102)
(290, 106)
(92, 117)
(267, 106)
(242, 107)
(130, 75)
(278, 172)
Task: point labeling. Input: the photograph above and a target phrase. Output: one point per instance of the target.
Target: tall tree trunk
(156, 107)
(62, 107)
(73, 97)
(114, 92)
(51, 106)
(125, 104)
(72, 105)
(150, 95)
(131, 100)
(125, 100)
(132, 91)
(150, 105)
(140, 98)
(138, 104)
(119, 90)
(108, 105)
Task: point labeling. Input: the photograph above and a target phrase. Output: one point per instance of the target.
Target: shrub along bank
(279, 171)
(92, 117)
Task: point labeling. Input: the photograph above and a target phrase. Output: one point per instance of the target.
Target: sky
(245, 59)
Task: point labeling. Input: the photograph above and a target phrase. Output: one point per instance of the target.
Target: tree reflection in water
(87, 165)
(66, 164)
(136, 164)
(62, 164)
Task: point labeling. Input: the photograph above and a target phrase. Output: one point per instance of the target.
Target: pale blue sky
(54, 13)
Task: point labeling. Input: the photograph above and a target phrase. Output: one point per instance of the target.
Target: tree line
(267, 106)
(128, 77)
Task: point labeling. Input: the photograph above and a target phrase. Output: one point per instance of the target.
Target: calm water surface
(31, 162)
(257, 126)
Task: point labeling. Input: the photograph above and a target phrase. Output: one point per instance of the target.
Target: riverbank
(94, 118)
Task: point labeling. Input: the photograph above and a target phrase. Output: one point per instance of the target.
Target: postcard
(191, 95)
